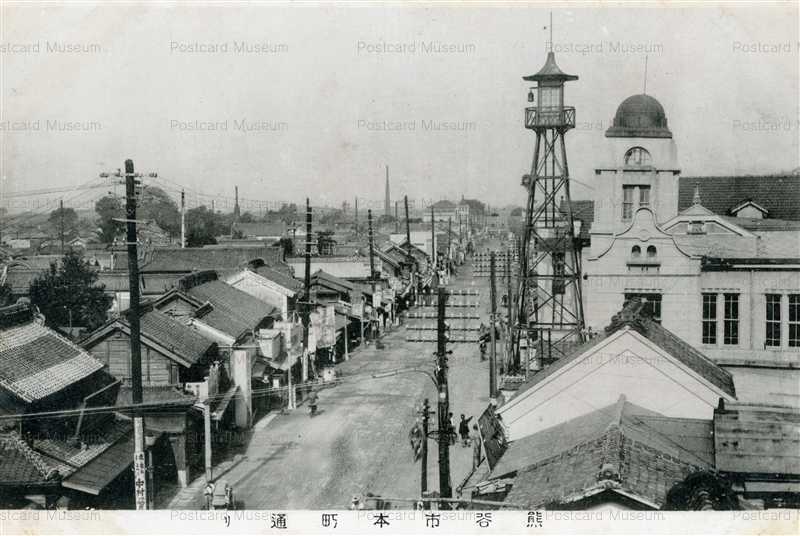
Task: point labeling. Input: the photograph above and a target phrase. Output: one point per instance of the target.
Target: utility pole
(356, 215)
(449, 232)
(372, 264)
(183, 219)
(445, 488)
(510, 303)
(133, 322)
(423, 478)
(371, 251)
(492, 353)
(61, 217)
(433, 241)
(139, 463)
(307, 285)
(408, 225)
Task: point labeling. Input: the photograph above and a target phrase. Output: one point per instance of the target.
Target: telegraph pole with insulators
(139, 463)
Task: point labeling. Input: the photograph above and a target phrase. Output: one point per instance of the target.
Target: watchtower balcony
(550, 117)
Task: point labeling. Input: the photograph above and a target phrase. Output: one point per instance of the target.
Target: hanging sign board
(292, 338)
(327, 327)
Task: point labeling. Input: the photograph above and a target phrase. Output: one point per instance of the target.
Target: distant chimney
(387, 203)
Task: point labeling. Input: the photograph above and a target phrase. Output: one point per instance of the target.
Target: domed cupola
(639, 116)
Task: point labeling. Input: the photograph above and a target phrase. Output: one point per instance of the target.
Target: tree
(325, 242)
(65, 220)
(108, 208)
(288, 246)
(156, 205)
(247, 217)
(71, 292)
(5, 295)
(203, 227)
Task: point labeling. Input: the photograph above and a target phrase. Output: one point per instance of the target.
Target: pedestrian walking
(463, 430)
(312, 403)
(415, 436)
(475, 437)
(208, 493)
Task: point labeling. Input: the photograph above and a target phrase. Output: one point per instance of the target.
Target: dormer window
(749, 209)
(638, 157)
(651, 252)
(636, 252)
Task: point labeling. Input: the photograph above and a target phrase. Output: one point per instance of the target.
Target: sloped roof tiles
(36, 362)
(610, 448)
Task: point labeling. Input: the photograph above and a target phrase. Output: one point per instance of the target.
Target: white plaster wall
(623, 364)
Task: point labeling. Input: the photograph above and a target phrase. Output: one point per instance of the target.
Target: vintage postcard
(384, 267)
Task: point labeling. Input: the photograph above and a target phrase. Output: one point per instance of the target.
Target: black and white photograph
(399, 268)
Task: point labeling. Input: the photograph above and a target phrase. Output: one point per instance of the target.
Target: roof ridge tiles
(14, 440)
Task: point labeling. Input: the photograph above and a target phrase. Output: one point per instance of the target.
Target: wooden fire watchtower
(549, 300)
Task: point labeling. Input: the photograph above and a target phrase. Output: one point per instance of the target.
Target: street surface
(358, 443)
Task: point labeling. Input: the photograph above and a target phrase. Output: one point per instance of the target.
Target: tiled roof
(177, 337)
(764, 224)
(20, 464)
(97, 442)
(444, 203)
(39, 262)
(766, 245)
(633, 315)
(387, 258)
(189, 345)
(234, 312)
(535, 448)
(156, 394)
(20, 279)
(36, 362)
(611, 448)
(777, 194)
(325, 279)
(219, 258)
(50, 460)
(757, 439)
(262, 229)
(281, 278)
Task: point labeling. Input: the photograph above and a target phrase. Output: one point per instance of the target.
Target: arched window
(651, 251)
(636, 252)
(638, 156)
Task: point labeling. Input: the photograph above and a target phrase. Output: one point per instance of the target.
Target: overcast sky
(326, 79)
